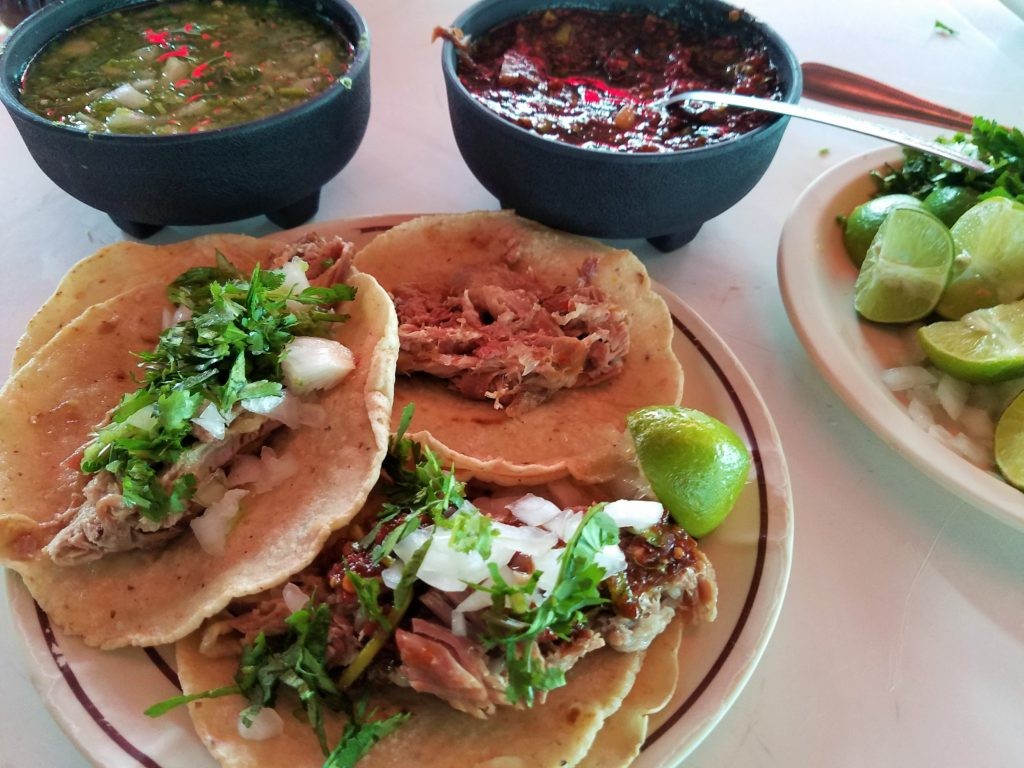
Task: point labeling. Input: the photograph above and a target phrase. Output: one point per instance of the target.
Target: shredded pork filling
(102, 522)
(504, 337)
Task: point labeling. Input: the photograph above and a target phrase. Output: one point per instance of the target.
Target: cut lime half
(983, 346)
(989, 264)
(906, 268)
(1009, 442)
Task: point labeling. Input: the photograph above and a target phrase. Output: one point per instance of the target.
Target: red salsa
(589, 78)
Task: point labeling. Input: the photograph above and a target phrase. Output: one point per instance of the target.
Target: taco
(523, 348)
(454, 622)
(123, 265)
(145, 489)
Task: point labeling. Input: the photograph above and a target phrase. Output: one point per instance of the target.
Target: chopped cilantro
(298, 660)
(515, 626)
(230, 349)
(944, 28)
(360, 735)
(1000, 147)
(422, 492)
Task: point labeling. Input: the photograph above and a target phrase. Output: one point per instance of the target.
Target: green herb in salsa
(185, 67)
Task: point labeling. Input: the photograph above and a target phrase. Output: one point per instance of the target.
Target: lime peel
(696, 465)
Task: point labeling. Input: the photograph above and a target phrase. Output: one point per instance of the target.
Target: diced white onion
(266, 724)
(906, 377)
(211, 528)
(565, 524)
(127, 96)
(144, 418)
(952, 394)
(533, 510)
(970, 450)
(459, 627)
(440, 579)
(294, 273)
(262, 405)
(294, 598)
(476, 601)
(920, 413)
(520, 538)
(391, 576)
(611, 559)
(977, 423)
(634, 513)
(211, 490)
(263, 473)
(448, 565)
(311, 363)
(174, 69)
(407, 547)
(212, 420)
(548, 564)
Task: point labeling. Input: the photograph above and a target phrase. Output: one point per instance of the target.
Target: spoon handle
(848, 89)
(834, 119)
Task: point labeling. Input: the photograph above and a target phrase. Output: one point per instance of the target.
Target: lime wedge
(1009, 442)
(906, 268)
(695, 464)
(989, 264)
(950, 203)
(862, 224)
(983, 346)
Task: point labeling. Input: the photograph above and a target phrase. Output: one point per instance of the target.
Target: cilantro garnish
(422, 492)
(515, 626)
(360, 735)
(1000, 147)
(229, 350)
(298, 660)
(941, 26)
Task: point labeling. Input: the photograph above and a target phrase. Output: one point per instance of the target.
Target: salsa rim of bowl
(12, 67)
(449, 66)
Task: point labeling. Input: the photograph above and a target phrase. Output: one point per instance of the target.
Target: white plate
(98, 697)
(816, 277)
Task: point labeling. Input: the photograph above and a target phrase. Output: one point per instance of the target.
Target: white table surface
(901, 641)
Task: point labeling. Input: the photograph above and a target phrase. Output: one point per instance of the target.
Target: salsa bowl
(663, 196)
(273, 165)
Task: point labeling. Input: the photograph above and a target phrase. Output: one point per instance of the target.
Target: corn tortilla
(50, 406)
(578, 431)
(555, 734)
(124, 265)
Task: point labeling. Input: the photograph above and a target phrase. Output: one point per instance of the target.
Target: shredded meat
(329, 259)
(666, 575)
(103, 523)
(501, 336)
(436, 661)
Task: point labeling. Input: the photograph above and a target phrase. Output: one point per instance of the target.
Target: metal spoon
(829, 118)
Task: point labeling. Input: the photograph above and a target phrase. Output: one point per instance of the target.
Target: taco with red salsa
(454, 622)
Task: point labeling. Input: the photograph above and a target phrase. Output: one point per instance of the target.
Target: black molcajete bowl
(274, 166)
(664, 197)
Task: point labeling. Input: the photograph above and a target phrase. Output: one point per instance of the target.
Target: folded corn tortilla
(578, 431)
(48, 410)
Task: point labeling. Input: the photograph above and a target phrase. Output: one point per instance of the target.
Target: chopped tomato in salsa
(589, 78)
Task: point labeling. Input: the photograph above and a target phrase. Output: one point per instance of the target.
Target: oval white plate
(816, 278)
(98, 697)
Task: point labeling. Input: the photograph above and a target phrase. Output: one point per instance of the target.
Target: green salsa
(185, 66)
